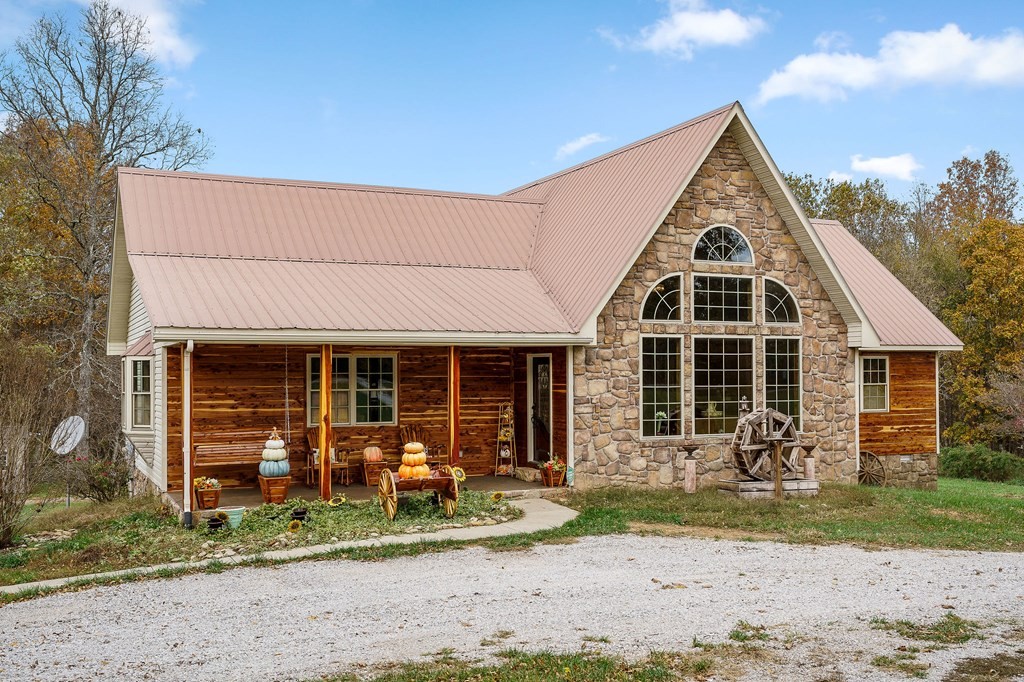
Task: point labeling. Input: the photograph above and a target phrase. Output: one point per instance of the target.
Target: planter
(214, 524)
(275, 488)
(552, 479)
(234, 515)
(208, 498)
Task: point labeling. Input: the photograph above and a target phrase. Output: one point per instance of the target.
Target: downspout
(186, 431)
(856, 406)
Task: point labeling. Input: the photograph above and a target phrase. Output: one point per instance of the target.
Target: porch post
(454, 402)
(187, 449)
(326, 382)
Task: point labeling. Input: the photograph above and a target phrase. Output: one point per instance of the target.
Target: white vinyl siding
(138, 317)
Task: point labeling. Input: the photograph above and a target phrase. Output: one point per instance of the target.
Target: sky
(483, 96)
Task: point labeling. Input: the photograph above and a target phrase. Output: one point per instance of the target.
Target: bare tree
(81, 101)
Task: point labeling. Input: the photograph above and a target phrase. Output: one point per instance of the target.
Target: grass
(950, 629)
(904, 662)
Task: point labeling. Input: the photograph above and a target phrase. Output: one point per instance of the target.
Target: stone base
(751, 490)
(919, 470)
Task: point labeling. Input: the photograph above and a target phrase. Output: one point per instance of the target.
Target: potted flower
(207, 492)
(552, 472)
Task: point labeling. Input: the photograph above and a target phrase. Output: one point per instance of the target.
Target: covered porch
(223, 399)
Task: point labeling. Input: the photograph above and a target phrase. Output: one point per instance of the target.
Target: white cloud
(832, 40)
(167, 43)
(690, 24)
(969, 150)
(839, 176)
(944, 57)
(580, 143)
(901, 166)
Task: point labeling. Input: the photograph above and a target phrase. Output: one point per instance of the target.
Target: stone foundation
(919, 470)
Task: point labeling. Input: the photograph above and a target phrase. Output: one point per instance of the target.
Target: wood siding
(238, 391)
(909, 426)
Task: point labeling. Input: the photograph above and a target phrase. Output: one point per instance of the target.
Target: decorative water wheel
(753, 440)
(871, 470)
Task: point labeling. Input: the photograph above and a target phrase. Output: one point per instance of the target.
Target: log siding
(909, 426)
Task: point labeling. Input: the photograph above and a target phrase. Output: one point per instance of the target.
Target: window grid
(339, 390)
(779, 306)
(662, 386)
(723, 373)
(142, 394)
(782, 376)
(875, 384)
(722, 244)
(723, 299)
(375, 390)
(664, 301)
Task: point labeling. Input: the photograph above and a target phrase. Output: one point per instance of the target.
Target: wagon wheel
(752, 445)
(388, 494)
(871, 470)
(449, 504)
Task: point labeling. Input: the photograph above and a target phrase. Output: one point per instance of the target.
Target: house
(625, 306)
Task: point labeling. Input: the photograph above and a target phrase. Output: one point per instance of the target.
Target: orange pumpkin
(414, 459)
(421, 471)
(373, 454)
(405, 471)
(413, 448)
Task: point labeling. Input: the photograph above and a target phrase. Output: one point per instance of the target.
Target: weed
(950, 629)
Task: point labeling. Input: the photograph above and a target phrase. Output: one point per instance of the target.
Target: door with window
(538, 398)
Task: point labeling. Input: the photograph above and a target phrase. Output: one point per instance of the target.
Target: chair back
(413, 433)
(313, 437)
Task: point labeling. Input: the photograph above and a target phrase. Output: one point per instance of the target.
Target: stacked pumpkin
(275, 457)
(414, 462)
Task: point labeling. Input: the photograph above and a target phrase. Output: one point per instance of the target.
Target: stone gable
(608, 446)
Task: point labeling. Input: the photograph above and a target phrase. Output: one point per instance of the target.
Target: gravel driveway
(305, 619)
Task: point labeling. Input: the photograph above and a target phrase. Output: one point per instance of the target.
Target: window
(371, 390)
(779, 306)
(875, 384)
(662, 386)
(723, 375)
(663, 301)
(141, 393)
(722, 244)
(723, 299)
(782, 376)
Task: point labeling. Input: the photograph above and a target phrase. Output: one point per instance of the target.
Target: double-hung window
(140, 393)
(367, 382)
(874, 384)
(782, 376)
(662, 386)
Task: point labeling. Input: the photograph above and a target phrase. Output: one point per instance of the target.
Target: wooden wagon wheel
(388, 494)
(449, 497)
(872, 472)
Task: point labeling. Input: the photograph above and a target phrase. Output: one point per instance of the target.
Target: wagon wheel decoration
(449, 496)
(871, 470)
(752, 444)
(387, 494)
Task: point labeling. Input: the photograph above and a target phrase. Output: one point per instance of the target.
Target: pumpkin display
(413, 448)
(413, 471)
(405, 471)
(373, 454)
(414, 459)
(275, 457)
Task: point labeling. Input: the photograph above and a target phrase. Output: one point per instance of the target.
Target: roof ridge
(626, 148)
(459, 266)
(315, 184)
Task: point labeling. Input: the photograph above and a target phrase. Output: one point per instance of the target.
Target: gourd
(275, 457)
(405, 471)
(410, 471)
(414, 459)
(373, 454)
(413, 448)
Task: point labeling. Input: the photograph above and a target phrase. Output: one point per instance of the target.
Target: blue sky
(482, 96)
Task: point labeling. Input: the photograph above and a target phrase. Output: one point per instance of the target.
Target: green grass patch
(950, 629)
(745, 632)
(903, 662)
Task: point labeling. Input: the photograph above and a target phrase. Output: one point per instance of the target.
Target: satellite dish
(67, 435)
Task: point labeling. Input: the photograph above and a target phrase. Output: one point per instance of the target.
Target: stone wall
(608, 447)
(920, 470)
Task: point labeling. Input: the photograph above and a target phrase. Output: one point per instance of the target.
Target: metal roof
(897, 316)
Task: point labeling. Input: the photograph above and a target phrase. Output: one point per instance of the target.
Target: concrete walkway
(538, 514)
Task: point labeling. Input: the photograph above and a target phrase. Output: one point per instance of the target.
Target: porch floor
(251, 497)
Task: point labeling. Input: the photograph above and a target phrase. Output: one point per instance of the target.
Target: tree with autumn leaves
(79, 101)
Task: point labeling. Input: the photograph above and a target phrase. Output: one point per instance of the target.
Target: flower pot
(300, 514)
(274, 488)
(234, 515)
(552, 478)
(214, 523)
(207, 498)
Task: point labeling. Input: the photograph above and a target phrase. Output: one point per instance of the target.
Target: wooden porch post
(187, 441)
(454, 402)
(326, 382)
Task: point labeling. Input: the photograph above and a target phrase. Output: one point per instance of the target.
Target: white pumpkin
(274, 444)
(275, 454)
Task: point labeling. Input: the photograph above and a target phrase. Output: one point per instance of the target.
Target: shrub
(980, 462)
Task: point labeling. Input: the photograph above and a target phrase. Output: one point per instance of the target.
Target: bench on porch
(246, 448)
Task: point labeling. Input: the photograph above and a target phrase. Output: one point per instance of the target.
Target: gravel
(301, 620)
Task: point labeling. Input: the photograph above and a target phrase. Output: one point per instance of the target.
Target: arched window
(664, 301)
(722, 244)
(779, 306)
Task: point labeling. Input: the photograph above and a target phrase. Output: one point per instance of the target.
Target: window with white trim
(874, 384)
(723, 299)
(662, 382)
(140, 393)
(722, 244)
(664, 301)
(367, 382)
(782, 376)
(779, 305)
(723, 376)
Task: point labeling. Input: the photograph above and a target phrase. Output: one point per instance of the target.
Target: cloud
(832, 40)
(944, 57)
(901, 166)
(580, 143)
(690, 24)
(839, 176)
(168, 44)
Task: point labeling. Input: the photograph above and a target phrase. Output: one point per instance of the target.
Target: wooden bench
(247, 448)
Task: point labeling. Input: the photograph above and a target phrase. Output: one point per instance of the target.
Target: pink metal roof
(143, 346)
(897, 316)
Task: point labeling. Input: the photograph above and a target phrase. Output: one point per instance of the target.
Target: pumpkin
(272, 468)
(373, 454)
(421, 471)
(413, 448)
(405, 471)
(275, 454)
(274, 444)
(414, 459)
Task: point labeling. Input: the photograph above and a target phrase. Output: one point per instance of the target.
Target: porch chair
(436, 452)
(340, 461)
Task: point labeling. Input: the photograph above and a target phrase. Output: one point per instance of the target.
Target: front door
(538, 396)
